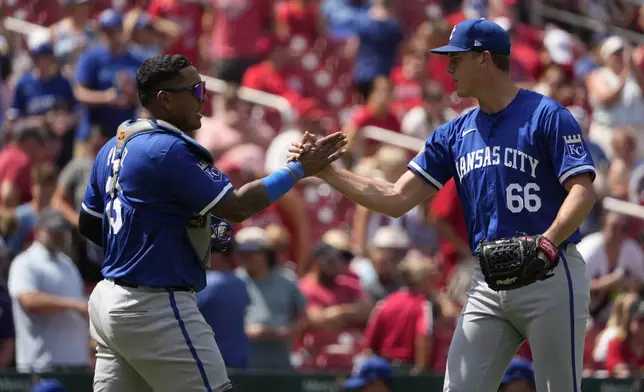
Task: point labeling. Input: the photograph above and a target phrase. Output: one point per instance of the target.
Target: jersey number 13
(520, 197)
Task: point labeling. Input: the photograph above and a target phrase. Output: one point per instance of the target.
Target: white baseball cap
(611, 45)
(390, 237)
(252, 239)
(560, 46)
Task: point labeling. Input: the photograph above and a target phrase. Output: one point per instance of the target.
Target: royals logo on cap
(574, 146)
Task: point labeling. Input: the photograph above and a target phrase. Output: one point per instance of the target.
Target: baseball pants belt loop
(124, 283)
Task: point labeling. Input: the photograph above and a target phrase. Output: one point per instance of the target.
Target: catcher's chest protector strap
(198, 227)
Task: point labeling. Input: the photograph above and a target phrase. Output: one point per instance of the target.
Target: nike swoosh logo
(469, 131)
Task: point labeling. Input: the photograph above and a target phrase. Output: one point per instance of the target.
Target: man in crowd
(50, 310)
(226, 294)
(106, 78)
(277, 306)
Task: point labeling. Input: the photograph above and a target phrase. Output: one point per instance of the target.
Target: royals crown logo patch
(574, 146)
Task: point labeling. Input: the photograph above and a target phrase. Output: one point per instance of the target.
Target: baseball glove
(512, 263)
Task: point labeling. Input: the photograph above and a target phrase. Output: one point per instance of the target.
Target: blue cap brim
(449, 49)
(355, 383)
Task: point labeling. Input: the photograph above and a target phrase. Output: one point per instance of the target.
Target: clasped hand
(315, 154)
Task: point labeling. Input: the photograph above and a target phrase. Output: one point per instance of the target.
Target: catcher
(524, 176)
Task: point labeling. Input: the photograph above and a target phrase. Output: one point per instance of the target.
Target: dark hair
(155, 71)
(501, 61)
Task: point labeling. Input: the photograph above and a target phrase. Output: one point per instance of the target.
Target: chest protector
(198, 227)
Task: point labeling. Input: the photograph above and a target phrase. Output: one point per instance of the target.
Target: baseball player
(524, 177)
(148, 204)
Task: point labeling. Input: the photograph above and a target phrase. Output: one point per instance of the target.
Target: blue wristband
(278, 183)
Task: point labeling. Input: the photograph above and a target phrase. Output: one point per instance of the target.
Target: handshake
(316, 154)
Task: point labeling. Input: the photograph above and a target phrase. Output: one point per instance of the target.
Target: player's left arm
(575, 170)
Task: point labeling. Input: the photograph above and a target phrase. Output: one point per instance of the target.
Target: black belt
(125, 283)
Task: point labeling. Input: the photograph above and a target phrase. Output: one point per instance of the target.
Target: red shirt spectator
(187, 15)
(268, 76)
(336, 305)
(376, 112)
(344, 290)
(238, 27)
(15, 168)
(396, 322)
(408, 83)
(446, 212)
(621, 353)
(16, 161)
(437, 70)
(298, 17)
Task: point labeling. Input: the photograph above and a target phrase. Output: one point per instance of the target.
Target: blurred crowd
(313, 282)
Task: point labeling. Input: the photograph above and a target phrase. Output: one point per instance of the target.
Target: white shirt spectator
(631, 257)
(45, 341)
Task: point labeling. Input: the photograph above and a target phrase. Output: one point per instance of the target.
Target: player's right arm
(427, 173)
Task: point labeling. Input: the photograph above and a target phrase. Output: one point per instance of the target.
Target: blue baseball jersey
(33, 96)
(162, 184)
(98, 69)
(509, 167)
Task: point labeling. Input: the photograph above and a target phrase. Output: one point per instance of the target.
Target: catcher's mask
(222, 234)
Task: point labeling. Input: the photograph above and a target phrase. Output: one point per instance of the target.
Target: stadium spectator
(432, 34)
(68, 197)
(72, 34)
(24, 150)
(187, 16)
(378, 36)
(49, 308)
(430, 113)
(408, 80)
(616, 326)
(144, 39)
(106, 79)
(378, 270)
(339, 240)
(277, 307)
(340, 16)
(280, 241)
(446, 214)
(226, 294)
(614, 262)
(269, 76)
(299, 18)
(615, 93)
(375, 112)
(373, 375)
(624, 147)
(237, 30)
(519, 377)
(40, 88)
(624, 357)
(335, 301)
(44, 178)
(400, 328)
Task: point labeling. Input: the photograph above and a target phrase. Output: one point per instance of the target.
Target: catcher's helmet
(222, 234)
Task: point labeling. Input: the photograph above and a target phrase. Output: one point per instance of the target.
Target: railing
(541, 11)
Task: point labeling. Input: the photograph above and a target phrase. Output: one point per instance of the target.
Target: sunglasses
(198, 90)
